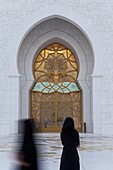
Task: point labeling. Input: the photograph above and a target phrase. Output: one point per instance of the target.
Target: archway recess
(68, 35)
(56, 94)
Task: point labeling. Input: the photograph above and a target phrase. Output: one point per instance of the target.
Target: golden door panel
(50, 110)
(56, 93)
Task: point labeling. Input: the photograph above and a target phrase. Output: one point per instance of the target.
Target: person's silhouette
(27, 153)
(70, 142)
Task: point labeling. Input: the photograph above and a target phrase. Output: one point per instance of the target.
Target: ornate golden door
(56, 93)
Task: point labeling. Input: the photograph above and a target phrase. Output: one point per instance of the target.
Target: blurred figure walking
(27, 155)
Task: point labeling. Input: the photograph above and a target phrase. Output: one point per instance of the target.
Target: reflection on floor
(96, 152)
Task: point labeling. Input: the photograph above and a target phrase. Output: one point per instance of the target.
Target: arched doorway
(56, 93)
(72, 38)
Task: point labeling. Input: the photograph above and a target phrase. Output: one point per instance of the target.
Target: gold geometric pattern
(56, 93)
(55, 64)
(50, 110)
(76, 98)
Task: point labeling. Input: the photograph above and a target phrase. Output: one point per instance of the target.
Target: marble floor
(96, 152)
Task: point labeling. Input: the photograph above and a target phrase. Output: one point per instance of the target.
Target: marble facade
(84, 27)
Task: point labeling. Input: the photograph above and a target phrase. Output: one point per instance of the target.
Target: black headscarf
(68, 128)
(68, 123)
(27, 131)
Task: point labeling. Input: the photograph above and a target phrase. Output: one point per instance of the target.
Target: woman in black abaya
(70, 142)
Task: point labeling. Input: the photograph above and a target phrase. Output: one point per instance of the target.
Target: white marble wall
(94, 19)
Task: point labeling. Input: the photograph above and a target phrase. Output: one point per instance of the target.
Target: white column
(25, 99)
(97, 103)
(86, 104)
(14, 102)
(4, 105)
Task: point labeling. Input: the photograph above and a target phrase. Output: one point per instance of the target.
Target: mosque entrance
(56, 93)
